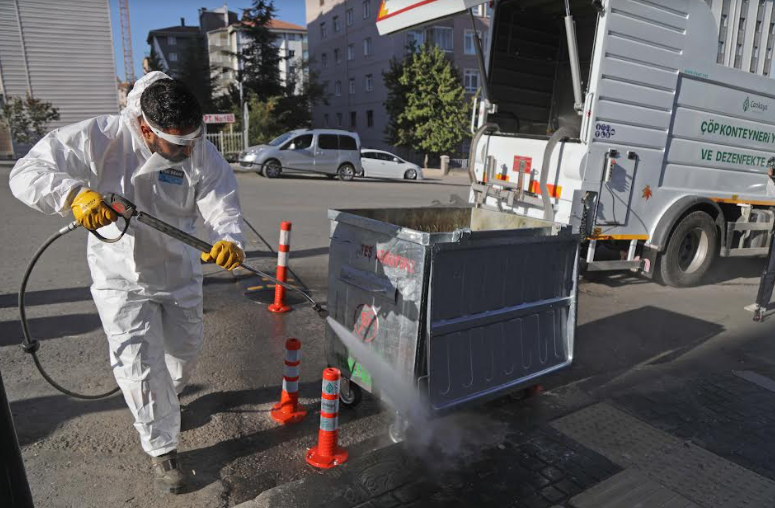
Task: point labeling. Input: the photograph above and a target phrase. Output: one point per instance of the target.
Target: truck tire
(691, 250)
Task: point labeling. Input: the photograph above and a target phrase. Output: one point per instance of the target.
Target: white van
(331, 152)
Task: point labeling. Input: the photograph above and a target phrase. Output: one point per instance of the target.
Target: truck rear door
(396, 15)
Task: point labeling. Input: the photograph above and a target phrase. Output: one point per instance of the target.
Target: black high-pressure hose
(30, 345)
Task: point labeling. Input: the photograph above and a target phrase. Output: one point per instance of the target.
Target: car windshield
(279, 140)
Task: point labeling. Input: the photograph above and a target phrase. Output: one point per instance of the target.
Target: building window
(742, 24)
(739, 50)
(367, 46)
(323, 30)
(338, 88)
(469, 44)
(324, 59)
(337, 25)
(369, 82)
(366, 9)
(369, 118)
(339, 119)
(483, 11)
(337, 56)
(325, 120)
(351, 51)
(325, 86)
(350, 17)
(353, 119)
(173, 57)
(322, 2)
(769, 53)
(442, 37)
(352, 86)
(721, 47)
(471, 80)
(415, 38)
(172, 40)
(724, 19)
(758, 26)
(291, 53)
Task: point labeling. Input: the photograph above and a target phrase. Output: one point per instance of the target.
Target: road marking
(682, 467)
(757, 379)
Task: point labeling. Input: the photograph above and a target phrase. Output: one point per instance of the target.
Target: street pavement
(671, 395)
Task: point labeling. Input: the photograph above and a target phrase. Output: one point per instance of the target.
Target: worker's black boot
(168, 473)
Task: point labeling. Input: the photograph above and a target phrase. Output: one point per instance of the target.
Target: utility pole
(126, 41)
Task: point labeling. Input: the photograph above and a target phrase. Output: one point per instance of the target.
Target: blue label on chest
(173, 176)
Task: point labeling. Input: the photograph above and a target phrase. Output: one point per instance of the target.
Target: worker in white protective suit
(148, 286)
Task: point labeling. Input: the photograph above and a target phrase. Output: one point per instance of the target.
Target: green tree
(260, 58)
(195, 72)
(153, 62)
(27, 118)
(426, 102)
(302, 91)
(266, 120)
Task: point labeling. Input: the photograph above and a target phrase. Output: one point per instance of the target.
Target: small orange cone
(288, 410)
(327, 453)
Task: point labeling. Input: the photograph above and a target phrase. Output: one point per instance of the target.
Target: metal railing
(228, 143)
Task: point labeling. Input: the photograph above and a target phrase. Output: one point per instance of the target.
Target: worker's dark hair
(168, 103)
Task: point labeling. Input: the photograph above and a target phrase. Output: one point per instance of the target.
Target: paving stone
(688, 470)
(733, 415)
(552, 494)
(628, 489)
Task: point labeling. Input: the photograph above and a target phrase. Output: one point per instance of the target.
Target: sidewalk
(692, 431)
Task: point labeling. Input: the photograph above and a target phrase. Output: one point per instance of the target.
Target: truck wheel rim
(693, 250)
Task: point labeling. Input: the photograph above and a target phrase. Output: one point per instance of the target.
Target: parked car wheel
(272, 168)
(410, 174)
(346, 172)
(691, 250)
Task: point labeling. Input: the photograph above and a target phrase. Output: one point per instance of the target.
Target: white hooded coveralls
(148, 286)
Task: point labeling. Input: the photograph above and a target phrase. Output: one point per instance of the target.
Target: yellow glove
(91, 211)
(225, 254)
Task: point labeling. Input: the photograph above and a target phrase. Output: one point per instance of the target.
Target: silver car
(328, 151)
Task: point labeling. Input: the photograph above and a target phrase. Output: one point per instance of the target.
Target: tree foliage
(260, 58)
(154, 62)
(426, 102)
(27, 118)
(195, 72)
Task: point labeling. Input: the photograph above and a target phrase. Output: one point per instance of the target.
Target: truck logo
(749, 104)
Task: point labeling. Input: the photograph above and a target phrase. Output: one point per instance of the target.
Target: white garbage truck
(615, 117)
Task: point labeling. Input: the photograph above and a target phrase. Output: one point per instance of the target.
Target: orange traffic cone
(288, 410)
(327, 453)
(278, 307)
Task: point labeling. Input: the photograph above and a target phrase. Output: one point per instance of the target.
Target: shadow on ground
(647, 335)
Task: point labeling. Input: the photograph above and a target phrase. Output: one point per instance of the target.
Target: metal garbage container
(468, 303)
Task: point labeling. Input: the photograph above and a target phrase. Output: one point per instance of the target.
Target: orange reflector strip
(554, 191)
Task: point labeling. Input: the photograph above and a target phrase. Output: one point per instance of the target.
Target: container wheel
(350, 394)
(397, 429)
(691, 250)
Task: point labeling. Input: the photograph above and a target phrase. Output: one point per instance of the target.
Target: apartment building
(350, 57)
(60, 53)
(746, 34)
(223, 44)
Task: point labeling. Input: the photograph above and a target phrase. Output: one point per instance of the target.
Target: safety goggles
(184, 140)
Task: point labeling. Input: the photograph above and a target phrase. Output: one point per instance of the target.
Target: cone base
(278, 309)
(316, 460)
(283, 417)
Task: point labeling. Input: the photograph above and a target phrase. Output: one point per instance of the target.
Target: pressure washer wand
(203, 246)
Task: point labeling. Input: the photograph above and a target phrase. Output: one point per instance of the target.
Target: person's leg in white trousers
(153, 347)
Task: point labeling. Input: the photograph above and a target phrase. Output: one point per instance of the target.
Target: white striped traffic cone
(283, 251)
(327, 453)
(288, 410)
